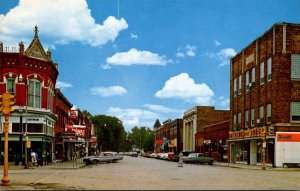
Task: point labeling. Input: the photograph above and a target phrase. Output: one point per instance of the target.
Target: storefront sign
(73, 114)
(248, 133)
(288, 137)
(78, 129)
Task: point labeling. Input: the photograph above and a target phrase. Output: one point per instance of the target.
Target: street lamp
(26, 109)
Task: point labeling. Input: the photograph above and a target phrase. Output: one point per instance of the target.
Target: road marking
(45, 178)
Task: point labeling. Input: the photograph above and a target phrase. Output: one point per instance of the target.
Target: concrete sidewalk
(78, 163)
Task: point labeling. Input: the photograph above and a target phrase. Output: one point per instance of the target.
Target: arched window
(11, 85)
(34, 93)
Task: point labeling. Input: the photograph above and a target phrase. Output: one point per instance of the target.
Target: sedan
(101, 158)
(198, 158)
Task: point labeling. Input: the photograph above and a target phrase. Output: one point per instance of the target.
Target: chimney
(21, 48)
(49, 54)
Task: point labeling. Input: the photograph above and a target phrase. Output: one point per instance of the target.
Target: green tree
(110, 132)
(142, 138)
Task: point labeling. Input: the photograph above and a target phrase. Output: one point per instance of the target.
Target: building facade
(215, 138)
(176, 131)
(30, 75)
(194, 121)
(264, 95)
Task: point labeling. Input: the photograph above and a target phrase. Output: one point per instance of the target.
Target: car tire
(94, 161)
(211, 162)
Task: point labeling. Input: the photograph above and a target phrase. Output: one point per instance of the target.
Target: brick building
(176, 140)
(194, 121)
(215, 138)
(31, 76)
(162, 136)
(265, 94)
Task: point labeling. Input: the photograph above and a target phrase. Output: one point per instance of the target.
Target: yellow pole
(5, 179)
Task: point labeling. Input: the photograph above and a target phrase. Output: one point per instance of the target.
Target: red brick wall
(281, 90)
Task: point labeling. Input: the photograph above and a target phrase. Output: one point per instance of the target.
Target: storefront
(246, 146)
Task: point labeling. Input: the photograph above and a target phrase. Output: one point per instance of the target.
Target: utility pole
(263, 138)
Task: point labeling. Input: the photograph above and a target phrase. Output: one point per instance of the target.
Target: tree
(142, 138)
(110, 132)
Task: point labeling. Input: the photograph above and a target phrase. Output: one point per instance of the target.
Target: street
(146, 173)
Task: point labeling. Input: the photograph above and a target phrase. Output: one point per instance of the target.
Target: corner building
(264, 96)
(30, 75)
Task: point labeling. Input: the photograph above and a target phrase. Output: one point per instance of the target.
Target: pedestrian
(180, 161)
(32, 154)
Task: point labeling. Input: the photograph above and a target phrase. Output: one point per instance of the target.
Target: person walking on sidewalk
(180, 161)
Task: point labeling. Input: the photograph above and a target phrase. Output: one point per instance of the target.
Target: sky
(142, 60)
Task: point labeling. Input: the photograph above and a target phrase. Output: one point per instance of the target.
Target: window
(247, 80)
(34, 93)
(295, 112)
(262, 73)
(252, 118)
(240, 84)
(246, 119)
(295, 66)
(269, 69)
(234, 87)
(261, 115)
(234, 122)
(239, 119)
(269, 113)
(10, 85)
(253, 77)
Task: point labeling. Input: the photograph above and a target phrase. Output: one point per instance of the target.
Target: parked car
(164, 156)
(185, 155)
(134, 154)
(198, 158)
(153, 155)
(101, 158)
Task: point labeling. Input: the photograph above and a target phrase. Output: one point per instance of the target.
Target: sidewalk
(253, 167)
(55, 165)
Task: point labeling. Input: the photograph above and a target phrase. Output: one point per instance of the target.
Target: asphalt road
(152, 174)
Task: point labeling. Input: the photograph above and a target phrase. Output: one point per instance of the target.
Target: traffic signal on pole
(7, 102)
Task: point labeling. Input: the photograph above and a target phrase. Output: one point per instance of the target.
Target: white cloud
(60, 22)
(108, 91)
(188, 50)
(133, 36)
(133, 117)
(223, 56)
(184, 87)
(217, 43)
(134, 56)
(63, 85)
(162, 109)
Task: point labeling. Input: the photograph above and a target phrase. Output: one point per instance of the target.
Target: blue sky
(142, 60)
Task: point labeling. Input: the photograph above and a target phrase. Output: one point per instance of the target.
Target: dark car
(185, 154)
(198, 158)
(134, 154)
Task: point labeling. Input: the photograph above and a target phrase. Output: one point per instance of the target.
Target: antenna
(118, 5)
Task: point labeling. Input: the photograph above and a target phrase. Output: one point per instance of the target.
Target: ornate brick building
(264, 94)
(31, 76)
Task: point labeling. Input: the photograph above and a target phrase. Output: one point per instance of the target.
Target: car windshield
(192, 155)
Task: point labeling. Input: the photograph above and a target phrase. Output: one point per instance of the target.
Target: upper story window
(11, 85)
(295, 112)
(269, 113)
(253, 76)
(295, 66)
(261, 115)
(234, 122)
(240, 84)
(262, 73)
(234, 86)
(252, 118)
(269, 69)
(34, 93)
(246, 119)
(247, 80)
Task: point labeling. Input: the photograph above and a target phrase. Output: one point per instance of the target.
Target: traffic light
(6, 103)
